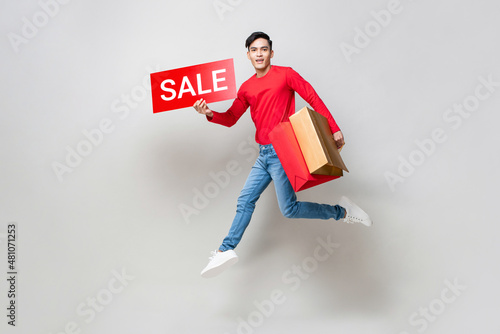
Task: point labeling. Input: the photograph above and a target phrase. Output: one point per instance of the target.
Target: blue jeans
(268, 168)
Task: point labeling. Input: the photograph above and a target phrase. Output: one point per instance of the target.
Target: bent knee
(289, 212)
(245, 205)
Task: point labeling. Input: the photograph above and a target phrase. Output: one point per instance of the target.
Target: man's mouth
(259, 61)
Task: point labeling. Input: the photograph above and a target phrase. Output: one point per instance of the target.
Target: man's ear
(248, 54)
(272, 53)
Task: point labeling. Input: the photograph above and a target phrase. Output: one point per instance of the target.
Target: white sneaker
(354, 212)
(219, 261)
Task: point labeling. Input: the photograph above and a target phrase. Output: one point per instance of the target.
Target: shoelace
(351, 219)
(214, 253)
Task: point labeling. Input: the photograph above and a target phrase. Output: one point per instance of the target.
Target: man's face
(260, 54)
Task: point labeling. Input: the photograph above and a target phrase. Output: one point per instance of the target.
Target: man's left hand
(339, 139)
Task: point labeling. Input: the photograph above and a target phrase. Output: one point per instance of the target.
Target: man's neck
(263, 72)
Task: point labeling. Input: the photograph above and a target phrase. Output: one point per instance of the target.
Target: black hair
(257, 35)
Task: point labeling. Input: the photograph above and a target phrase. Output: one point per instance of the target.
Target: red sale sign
(182, 87)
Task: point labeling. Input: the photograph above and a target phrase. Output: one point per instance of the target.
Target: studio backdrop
(108, 211)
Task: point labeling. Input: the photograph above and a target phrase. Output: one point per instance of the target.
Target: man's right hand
(201, 107)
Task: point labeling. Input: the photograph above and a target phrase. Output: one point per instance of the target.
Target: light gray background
(119, 209)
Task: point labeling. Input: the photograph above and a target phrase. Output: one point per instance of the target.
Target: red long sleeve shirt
(271, 99)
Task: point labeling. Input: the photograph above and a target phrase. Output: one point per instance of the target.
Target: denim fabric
(268, 168)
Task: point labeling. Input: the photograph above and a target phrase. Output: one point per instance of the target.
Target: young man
(270, 94)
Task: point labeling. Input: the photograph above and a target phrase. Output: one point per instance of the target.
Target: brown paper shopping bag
(316, 143)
